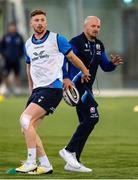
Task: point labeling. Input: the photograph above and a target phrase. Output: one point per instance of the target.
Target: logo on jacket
(86, 45)
(98, 47)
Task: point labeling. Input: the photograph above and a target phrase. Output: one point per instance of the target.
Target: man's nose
(96, 29)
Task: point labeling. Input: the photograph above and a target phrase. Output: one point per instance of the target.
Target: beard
(93, 35)
(39, 30)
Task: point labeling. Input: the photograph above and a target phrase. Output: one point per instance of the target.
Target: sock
(31, 155)
(44, 161)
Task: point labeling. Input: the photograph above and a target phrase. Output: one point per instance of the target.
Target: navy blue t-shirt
(12, 46)
(92, 54)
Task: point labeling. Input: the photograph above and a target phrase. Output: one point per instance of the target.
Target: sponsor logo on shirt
(37, 47)
(40, 55)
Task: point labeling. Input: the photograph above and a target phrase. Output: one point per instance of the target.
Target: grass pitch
(111, 151)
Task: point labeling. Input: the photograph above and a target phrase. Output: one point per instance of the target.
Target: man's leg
(40, 152)
(16, 69)
(31, 115)
(88, 117)
(82, 132)
(78, 141)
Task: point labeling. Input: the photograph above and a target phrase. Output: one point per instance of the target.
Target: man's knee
(94, 119)
(90, 123)
(25, 121)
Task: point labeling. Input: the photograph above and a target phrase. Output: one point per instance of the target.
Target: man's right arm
(30, 82)
(79, 64)
(67, 83)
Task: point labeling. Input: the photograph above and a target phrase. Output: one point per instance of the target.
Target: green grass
(111, 151)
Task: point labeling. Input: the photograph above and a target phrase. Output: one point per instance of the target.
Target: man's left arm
(67, 83)
(110, 64)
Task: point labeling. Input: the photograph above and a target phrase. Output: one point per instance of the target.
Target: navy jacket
(92, 55)
(12, 46)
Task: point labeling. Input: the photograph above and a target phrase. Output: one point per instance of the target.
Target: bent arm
(77, 62)
(105, 64)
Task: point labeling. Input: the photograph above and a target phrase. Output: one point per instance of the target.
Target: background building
(119, 29)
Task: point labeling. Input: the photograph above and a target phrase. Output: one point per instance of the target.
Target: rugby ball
(71, 96)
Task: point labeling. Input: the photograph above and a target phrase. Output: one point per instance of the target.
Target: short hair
(90, 17)
(12, 24)
(37, 12)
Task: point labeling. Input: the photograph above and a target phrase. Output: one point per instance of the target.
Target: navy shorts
(12, 66)
(47, 98)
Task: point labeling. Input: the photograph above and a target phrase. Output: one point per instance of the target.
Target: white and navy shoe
(82, 168)
(69, 158)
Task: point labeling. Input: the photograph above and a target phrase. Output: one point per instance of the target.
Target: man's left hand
(116, 60)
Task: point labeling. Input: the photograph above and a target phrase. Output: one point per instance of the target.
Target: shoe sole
(25, 172)
(77, 171)
(71, 169)
(49, 172)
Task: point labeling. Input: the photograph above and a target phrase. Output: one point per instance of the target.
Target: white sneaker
(69, 158)
(42, 170)
(82, 168)
(26, 167)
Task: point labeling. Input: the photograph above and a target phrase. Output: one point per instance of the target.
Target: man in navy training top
(92, 53)
(12, 49)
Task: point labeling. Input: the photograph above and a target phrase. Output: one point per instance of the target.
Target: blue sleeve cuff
(63, 44)
(106, 64)
(26, 56)
(64, 69)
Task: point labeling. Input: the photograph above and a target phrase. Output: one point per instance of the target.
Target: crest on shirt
(98, 47)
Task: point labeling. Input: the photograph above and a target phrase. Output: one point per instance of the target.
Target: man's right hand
(67, 83)
(86, 76)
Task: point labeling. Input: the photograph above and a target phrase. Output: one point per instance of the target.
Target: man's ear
(31, 22)
(46, 24)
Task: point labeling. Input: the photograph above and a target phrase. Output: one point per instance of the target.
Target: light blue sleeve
(26, 56)
(63, 44)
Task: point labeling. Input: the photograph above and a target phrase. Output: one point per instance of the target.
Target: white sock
(31, 155)
(44, 161)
